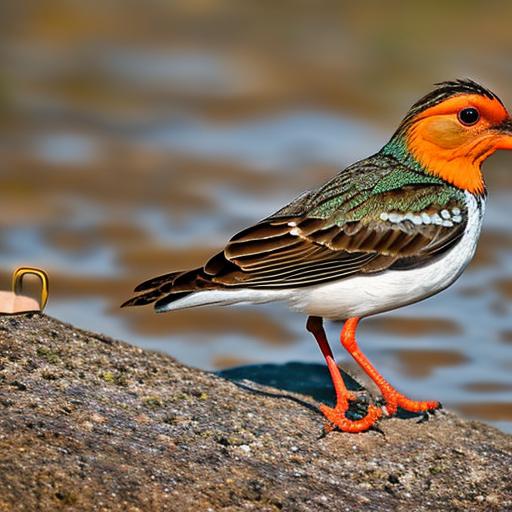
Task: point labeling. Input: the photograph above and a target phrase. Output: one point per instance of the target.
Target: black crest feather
(445, 90)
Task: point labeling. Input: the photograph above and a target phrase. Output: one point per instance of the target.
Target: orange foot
(394, 400)
(337, 417)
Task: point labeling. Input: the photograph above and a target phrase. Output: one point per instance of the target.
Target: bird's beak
(504, 135)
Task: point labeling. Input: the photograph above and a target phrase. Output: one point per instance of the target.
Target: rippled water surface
(135, 143)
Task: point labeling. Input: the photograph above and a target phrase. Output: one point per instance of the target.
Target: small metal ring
(17, 282)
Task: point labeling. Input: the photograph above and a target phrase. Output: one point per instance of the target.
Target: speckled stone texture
(89, 423)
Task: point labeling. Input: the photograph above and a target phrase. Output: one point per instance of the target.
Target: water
(142, 152)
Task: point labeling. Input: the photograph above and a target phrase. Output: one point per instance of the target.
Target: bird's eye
(469, 116)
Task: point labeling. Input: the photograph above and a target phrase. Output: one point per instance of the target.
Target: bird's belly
(375, 293)
(367, 295)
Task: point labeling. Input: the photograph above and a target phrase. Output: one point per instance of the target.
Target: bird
(385, 232)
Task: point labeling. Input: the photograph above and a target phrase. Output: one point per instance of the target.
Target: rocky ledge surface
(90, 423)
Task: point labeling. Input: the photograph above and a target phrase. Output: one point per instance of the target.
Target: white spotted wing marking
(444, 217)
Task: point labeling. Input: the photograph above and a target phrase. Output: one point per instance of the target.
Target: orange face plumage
(454, 137)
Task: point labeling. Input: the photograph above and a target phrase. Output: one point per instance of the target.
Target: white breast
(366, 295)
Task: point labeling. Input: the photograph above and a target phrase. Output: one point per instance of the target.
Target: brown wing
(301, 251)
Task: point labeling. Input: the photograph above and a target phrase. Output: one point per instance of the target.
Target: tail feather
(156, 282)
(143, 300)
(193, 288)
(164, 289)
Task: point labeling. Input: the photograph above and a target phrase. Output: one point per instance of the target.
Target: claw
(428, 414)
(352, 396)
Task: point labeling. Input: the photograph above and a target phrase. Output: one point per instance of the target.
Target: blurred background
(136, 137)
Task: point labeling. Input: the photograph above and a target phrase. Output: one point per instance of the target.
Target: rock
(89, 423)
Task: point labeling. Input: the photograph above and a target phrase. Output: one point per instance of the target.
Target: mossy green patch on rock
(152, 401)
(108, 376)
(48, 355)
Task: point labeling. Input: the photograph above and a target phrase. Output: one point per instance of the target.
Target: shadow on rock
(310, 379)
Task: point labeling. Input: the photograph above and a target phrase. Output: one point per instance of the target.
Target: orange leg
(392, 397)
(336, 415)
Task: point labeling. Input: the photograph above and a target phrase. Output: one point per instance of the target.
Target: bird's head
(452, 130)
